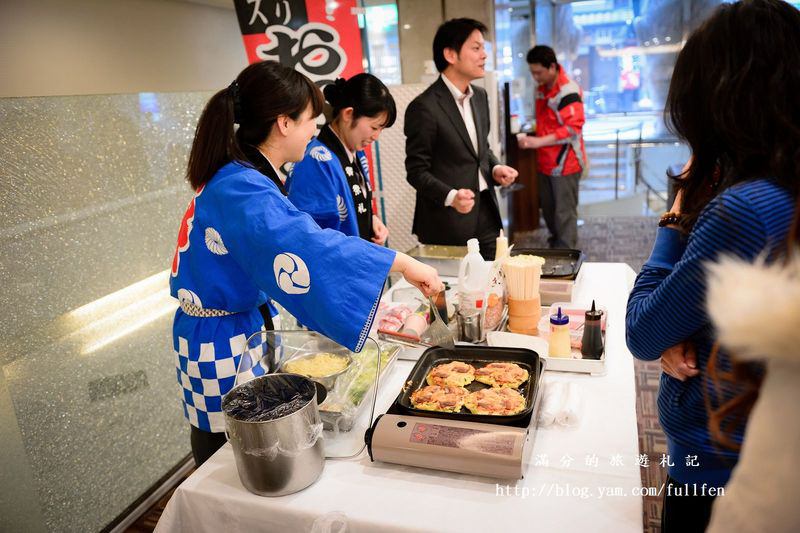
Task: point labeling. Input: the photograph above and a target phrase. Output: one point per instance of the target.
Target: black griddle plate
(477, 356)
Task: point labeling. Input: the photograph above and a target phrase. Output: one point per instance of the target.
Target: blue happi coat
(318, 185)
(241, 242)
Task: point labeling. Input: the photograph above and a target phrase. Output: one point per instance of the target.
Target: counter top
(582, 478)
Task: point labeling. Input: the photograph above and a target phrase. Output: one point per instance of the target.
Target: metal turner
(437, 334)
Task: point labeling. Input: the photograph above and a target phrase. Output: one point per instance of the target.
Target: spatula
(437, 334)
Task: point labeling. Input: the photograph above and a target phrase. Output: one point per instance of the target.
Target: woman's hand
(380, 231)
(420, 275)
(676, 205)
(680, 361)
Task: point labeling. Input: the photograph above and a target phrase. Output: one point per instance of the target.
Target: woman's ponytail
(214, 139)
(260, 94)
(366, 94)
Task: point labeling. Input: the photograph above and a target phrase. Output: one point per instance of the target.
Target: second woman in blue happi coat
(331, 183)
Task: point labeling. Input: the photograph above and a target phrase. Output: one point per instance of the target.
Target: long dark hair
(366, 94)
(260, 94)
(733, 99)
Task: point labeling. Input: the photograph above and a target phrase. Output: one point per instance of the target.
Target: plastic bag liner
(275, 431)
(261, 400)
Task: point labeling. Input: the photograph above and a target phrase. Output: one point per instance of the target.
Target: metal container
(328, 381)
(559, 264)
(282, 455)
(445, 259)
(469, 327)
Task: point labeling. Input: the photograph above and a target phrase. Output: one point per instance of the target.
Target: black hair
(733, 99)
(258, 96)
(453, 34)
(543, 55)
(366, 94)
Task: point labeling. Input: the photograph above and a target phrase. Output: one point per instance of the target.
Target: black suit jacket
(440, 157)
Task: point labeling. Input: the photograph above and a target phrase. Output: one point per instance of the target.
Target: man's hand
(504, 175)
(380, 230)
(680, 361)
(464, 201)
(527, 142)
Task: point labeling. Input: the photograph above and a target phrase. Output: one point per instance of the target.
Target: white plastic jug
(473, 276)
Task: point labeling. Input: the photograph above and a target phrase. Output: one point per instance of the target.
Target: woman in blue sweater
(733, 100)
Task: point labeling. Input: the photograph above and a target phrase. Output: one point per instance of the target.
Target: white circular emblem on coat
(320, 153)
(291, 274)
(342, 207)
(214, 242)
(189, 297)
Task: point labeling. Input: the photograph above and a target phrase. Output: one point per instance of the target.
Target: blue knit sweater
(667, 306)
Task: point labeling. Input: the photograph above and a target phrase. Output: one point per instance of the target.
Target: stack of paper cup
(522, 273)
(524, 315)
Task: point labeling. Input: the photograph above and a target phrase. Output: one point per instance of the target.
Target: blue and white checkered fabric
(207, 374)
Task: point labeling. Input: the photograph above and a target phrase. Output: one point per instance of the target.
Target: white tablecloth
(571, 492)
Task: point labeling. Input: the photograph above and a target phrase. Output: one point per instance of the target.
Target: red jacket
(560, 111)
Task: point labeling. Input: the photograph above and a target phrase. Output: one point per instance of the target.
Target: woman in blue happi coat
(242, 242)
(331, 183)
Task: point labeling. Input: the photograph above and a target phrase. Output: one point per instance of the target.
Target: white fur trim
(756, 307)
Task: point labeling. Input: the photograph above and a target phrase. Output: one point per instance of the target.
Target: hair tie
(334, 92)
(233, 90)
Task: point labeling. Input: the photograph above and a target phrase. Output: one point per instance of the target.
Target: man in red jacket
(560, 154)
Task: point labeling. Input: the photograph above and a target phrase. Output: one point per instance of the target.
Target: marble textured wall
(91, 195)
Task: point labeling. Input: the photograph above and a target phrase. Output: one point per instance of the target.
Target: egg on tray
(457, 374)
(495, 401)
(447, 399)
(502, 375)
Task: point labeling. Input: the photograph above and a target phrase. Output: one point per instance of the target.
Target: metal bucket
(282, 455)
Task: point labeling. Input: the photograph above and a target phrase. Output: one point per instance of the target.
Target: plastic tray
(477, 356)
(339, 412)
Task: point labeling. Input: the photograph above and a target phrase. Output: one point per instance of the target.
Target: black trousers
(204, 443)
(558, 196)
(684, 513)
(488, 226)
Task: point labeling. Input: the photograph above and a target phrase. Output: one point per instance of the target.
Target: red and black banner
(319, 38)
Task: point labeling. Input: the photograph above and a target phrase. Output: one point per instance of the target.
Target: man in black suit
(448, 160)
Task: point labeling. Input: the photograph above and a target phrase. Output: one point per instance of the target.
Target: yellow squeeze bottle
(559, 335)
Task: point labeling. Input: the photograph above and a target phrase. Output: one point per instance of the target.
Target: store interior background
(98, 103)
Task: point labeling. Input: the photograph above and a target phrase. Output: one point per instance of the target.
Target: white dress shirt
(462, 103)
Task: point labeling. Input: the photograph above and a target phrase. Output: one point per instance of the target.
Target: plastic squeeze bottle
(473, 277)
(592, 343)
(559, 335)
(501, 248)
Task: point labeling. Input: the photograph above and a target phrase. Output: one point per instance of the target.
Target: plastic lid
(559, 319)
(473, 245)
(593, 313)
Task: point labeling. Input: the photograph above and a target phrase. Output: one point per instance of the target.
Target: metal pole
(616, 169)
